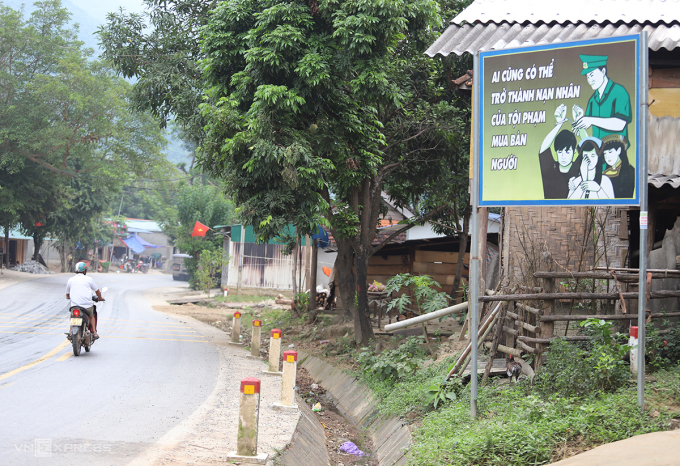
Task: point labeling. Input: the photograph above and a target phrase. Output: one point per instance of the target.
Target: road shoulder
(209, 433)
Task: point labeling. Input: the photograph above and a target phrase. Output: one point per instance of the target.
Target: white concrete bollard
(248, 419)
(288, 383)
(255, 340)
(274, 352)
(236, 329)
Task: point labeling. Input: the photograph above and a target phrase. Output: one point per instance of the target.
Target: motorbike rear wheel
(75, 340)
(145, 270)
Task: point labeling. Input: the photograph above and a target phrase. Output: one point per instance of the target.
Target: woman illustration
(591, 184)
(618, 169)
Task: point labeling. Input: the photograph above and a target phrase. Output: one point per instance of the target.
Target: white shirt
(80, 288)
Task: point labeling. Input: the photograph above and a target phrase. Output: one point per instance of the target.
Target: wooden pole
(660, 294)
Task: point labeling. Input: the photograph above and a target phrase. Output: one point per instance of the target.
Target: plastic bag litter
(351, 448)
(317, 408)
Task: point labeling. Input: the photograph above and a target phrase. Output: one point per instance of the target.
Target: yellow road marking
(65, 356)
(36, 362)
(114, 329)
(111, 336)
(6, 385)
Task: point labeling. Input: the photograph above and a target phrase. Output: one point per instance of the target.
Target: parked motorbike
(142, 267)
(80, 335)
(128, 265)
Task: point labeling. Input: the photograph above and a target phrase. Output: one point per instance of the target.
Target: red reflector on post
(76, 313)
(634, 332)
(275, 333)
(237, 315)
(257, 323)
(250, 386)
(290, 356)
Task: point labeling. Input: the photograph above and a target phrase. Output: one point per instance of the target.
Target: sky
(98, 9)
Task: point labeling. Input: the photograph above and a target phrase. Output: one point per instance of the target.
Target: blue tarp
(322, 236)
(137, 244)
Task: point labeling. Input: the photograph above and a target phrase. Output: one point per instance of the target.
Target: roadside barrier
(236, 329)
(249, 412)
(288, 383)
(274, 352)
(255, 340)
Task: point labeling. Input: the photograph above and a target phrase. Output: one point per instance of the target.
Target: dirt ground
(337, 428)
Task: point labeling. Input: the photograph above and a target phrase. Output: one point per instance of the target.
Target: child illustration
(618, 169)
(591, 183)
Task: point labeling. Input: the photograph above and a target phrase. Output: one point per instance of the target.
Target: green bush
(394, 364)
(597, 366)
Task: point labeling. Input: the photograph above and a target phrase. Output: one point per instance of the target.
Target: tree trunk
(462, 249)
(5, 258)
(363, 332)
(37, 242)
(345, 280)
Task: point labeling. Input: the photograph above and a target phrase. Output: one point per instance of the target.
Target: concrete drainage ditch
(390, 436)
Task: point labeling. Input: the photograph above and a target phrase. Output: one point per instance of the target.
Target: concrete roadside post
(236, 329)
(274, 352)
(255, 340)
(248, 418)
(288, 383)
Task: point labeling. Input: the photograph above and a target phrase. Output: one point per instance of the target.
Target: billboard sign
(560, 124)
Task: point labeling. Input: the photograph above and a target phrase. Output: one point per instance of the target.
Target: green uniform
(615, 103)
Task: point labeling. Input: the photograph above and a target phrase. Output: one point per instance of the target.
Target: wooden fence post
(547, 328)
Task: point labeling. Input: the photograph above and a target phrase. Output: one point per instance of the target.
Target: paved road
(147, 373)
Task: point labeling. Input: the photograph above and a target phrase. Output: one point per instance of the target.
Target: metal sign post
(474, 246)
(644, 201)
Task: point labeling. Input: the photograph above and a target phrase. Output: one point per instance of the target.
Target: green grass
(517, 425)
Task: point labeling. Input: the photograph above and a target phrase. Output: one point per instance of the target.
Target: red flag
(199, 229)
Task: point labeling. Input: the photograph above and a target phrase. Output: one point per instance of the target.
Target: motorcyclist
(79, 290)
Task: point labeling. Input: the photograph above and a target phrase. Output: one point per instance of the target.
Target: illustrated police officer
(608, 110)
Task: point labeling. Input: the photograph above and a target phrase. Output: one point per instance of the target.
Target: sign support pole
(474, 246)
(644, 206)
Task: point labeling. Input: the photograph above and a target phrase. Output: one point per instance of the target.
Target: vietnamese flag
(199, 229)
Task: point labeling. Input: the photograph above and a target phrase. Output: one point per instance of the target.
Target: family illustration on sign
(596, 166)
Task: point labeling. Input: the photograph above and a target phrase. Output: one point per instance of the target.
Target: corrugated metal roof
(574, 11)
(660, 180)
(482, 37)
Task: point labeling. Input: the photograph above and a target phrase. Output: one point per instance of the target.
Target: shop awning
(137, 244)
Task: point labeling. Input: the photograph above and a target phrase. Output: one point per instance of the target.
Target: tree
(313, 109)
(331, 103)
(197, 203)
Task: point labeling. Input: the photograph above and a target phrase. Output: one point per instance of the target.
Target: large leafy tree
(313, 109)
(64, 114)
(333, 103)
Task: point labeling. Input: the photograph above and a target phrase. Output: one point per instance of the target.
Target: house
(150, 233)
(577, 238)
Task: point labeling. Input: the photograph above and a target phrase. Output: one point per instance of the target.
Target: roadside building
(577, 238)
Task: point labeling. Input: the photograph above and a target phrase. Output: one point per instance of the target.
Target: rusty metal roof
(498, 24)
(574, 11)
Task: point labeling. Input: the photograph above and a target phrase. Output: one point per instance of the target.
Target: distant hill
(175, 152)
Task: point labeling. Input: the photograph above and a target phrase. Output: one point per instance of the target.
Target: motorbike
(80, 335)
(128, 265)
(142, 267)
